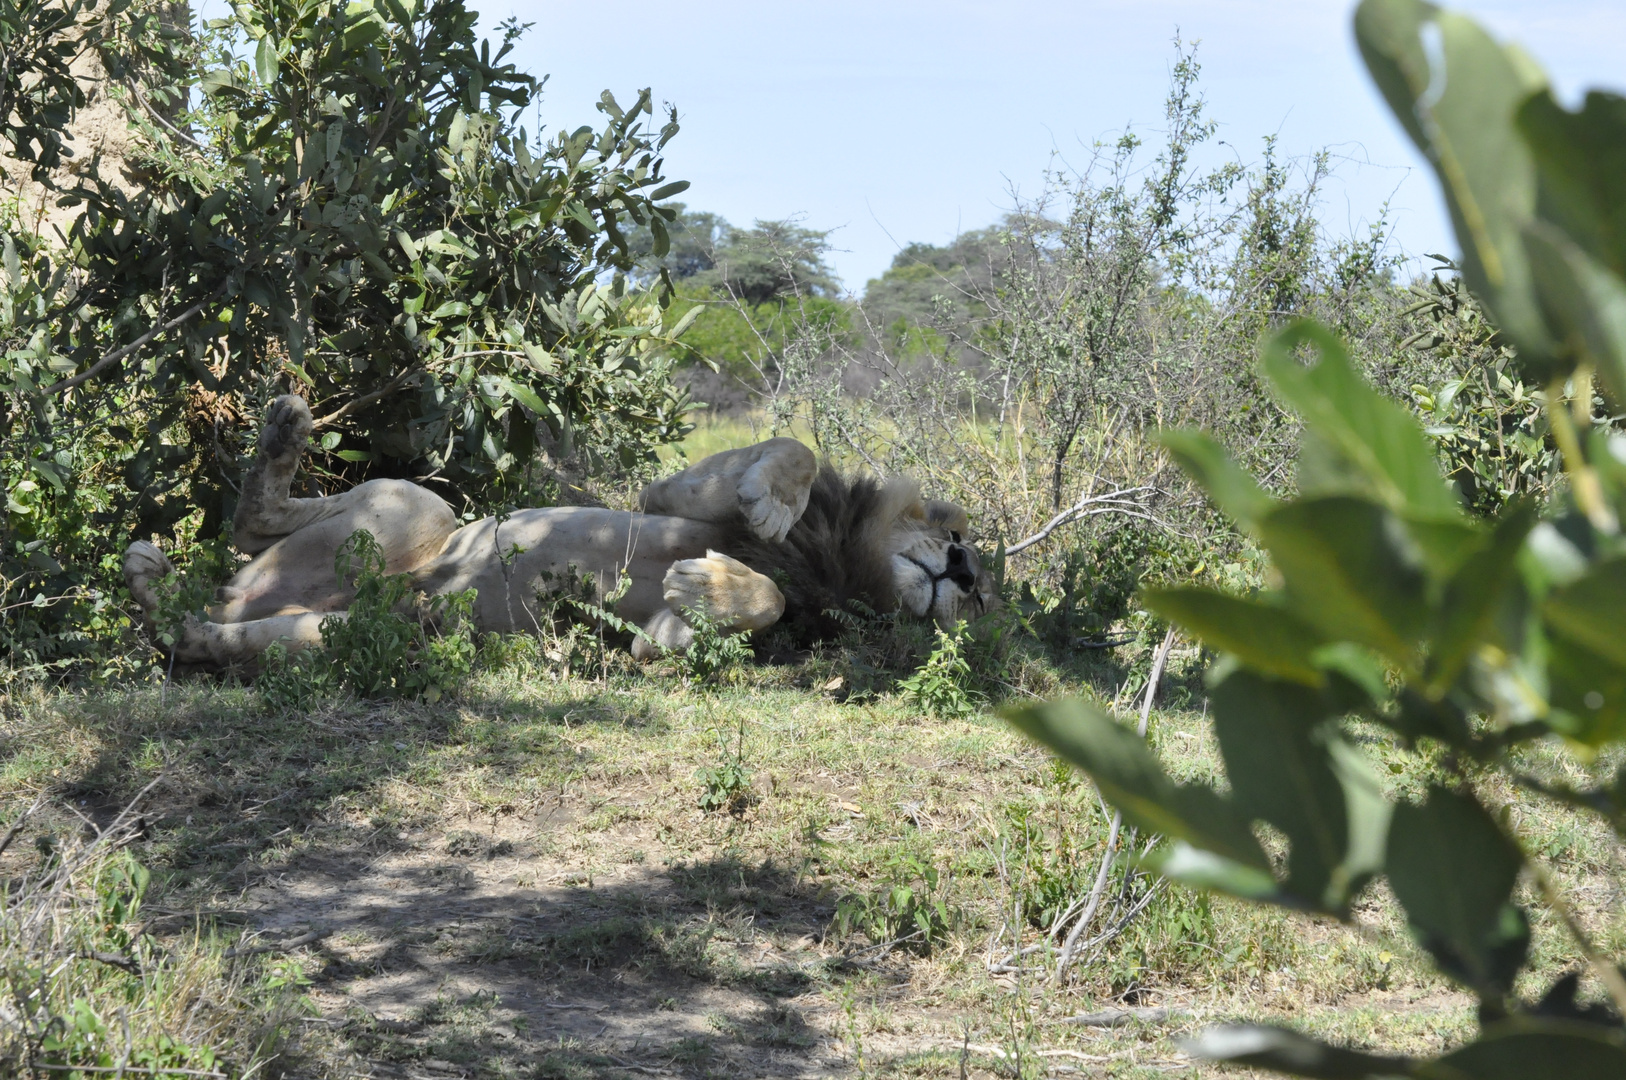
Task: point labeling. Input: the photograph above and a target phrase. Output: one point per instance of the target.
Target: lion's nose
(959, 568)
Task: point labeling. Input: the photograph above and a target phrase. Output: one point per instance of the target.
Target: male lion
(754, 537)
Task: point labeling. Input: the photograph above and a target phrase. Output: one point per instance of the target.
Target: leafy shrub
(323, 198)
(1485, 418)
(375, 650)
(294, 682)
(726, 786)
(1397, 606)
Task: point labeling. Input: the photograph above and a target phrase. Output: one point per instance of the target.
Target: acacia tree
(334, 198)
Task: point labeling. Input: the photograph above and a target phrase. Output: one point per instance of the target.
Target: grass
(520, 881)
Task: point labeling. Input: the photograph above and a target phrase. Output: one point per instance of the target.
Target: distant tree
(693, 237)
(772, 260)
(933, 292)
(755, 284)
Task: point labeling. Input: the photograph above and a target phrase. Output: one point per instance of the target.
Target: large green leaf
(1535, 1050)
(1359, 442)
(1516, 1050)
(1592, 609)
(1351, 571)
(1264, 636)
(1472, 597)
(1287, 1051)
(1580, 160)
(1453, 870)
(1288, 768)
(1587, 691)
(1238, 496)
(1585, 302)
(1462, 118)
(1130, 778)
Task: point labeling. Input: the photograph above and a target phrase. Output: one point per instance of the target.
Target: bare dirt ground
(522, 883)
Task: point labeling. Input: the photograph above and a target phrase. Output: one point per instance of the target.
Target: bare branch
(1070, 948)
(1118, 501)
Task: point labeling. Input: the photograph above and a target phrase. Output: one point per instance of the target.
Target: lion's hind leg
(766, 486)
(265, 511)
(216, 645)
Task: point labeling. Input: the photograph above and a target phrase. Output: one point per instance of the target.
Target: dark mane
(834, 554)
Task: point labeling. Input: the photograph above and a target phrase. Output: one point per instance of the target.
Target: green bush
(1397, 606)
(329, 198)
(376, 650)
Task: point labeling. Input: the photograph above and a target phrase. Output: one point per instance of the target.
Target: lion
(754, 537)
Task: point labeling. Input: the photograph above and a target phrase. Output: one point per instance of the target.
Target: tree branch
(1118, 500)
(367, 399)
(120, 353)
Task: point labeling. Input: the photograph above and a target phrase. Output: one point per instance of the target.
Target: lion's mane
(837, 553)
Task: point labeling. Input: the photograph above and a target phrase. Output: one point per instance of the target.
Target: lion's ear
(946, 515)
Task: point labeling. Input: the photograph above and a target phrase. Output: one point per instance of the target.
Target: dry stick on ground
(1069, 949)
(282, 946)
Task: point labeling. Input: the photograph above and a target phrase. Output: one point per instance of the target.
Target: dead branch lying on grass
(126, 1070)
(1145, 1014)
(291, 944)
(1081, 913)
(1070, 949)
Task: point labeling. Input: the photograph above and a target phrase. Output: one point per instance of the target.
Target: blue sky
(892, 121)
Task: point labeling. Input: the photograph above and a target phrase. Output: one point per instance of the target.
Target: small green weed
(910, 907)
(727, 785)
(714, 655)
(943, 684)
(724, 787)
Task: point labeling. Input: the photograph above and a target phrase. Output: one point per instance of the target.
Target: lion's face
(939, 576)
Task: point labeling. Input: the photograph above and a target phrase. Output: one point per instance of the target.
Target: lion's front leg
(766, 485)
(736, 598)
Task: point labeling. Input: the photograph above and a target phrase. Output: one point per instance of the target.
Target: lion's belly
(509, 561)
(296, 573)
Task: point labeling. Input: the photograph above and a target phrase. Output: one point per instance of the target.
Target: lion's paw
(288, 426)
(728, 591)
(768, 517)
(774, 491)
(144, 567)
